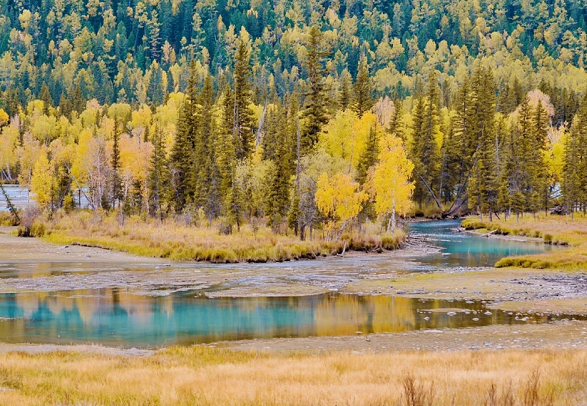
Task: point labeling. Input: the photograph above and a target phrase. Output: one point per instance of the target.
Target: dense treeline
(494, 125)
(66, 52)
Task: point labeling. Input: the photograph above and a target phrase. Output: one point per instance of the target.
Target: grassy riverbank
(557, 230)
(176, 241)
(207, 376)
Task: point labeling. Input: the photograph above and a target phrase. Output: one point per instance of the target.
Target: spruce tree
(242, 114)
(574, 184)
(45, 95)
(363, 100)
(182, 153)
(315, 112)
(345, 92)
(116, 182)
(158, 178)
(396, 124)
(424, 151)
(278, 193)
(482, 183)
(368, 157)
(203, 152)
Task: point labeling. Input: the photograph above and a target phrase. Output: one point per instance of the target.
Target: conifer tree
(345, 92)
(315, 111)
(396, 124)
(182, 153)
(363, 100)
(574, 185)
(202, 170)
(116, 185)
(369, 156)
(242, 114)
(158, 178)
(481, 186)
(426, 127)
(278, 193)
(45, 95)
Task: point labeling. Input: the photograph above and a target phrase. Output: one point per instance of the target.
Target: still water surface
(466, 249)
(117, 316)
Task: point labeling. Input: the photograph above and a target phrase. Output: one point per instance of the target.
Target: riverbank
(176, 241)
(555, 230)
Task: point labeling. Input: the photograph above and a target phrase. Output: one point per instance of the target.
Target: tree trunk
(393, 222)
(340, 231)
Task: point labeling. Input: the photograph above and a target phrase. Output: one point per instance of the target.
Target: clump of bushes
(31, 224)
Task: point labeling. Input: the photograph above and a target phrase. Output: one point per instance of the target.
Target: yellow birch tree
(392, 184)
(339, 199)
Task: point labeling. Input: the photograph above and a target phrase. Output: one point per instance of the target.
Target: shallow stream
(150, 306)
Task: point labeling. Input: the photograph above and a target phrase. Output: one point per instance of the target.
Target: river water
(124, 315)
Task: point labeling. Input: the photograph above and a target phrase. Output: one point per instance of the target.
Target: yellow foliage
(8, 143)
(338, 198)
(28, 154)
(3, 118)
(345, 136)
(134, 158)
(41, 181)
(393, 188)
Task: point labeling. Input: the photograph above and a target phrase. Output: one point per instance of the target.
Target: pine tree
(369, 156)
(424, 152)
(574, 184)
(363, 100)
(158, 178)
(242, 114)
(278, 193)
(396, 124)
(45, 95)
(541, 187)
(203, 152)
(182, 153)
(482, 184)
(345, 93)
(315, 111)
(116, 185)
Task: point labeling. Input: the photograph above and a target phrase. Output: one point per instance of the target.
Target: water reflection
(466, 249)
(115, 317)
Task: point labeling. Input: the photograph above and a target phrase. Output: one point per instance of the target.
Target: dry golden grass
(174, 240)
(557, 230)
(206, 376)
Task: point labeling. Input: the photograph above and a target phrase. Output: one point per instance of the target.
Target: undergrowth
(177, 241)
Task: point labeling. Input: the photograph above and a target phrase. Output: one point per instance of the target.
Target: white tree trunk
(393, 222)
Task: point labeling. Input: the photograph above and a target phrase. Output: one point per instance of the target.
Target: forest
(299, 116)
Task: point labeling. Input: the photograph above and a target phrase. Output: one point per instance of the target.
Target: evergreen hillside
(300, 116)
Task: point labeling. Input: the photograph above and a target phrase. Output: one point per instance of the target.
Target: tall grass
(174, 240)
(553, 230)
(216, 376)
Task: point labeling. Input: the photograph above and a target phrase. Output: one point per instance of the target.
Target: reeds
(219, 376)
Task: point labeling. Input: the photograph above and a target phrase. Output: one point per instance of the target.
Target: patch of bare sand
(16, 250)
(512, 289)
(559, 335)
